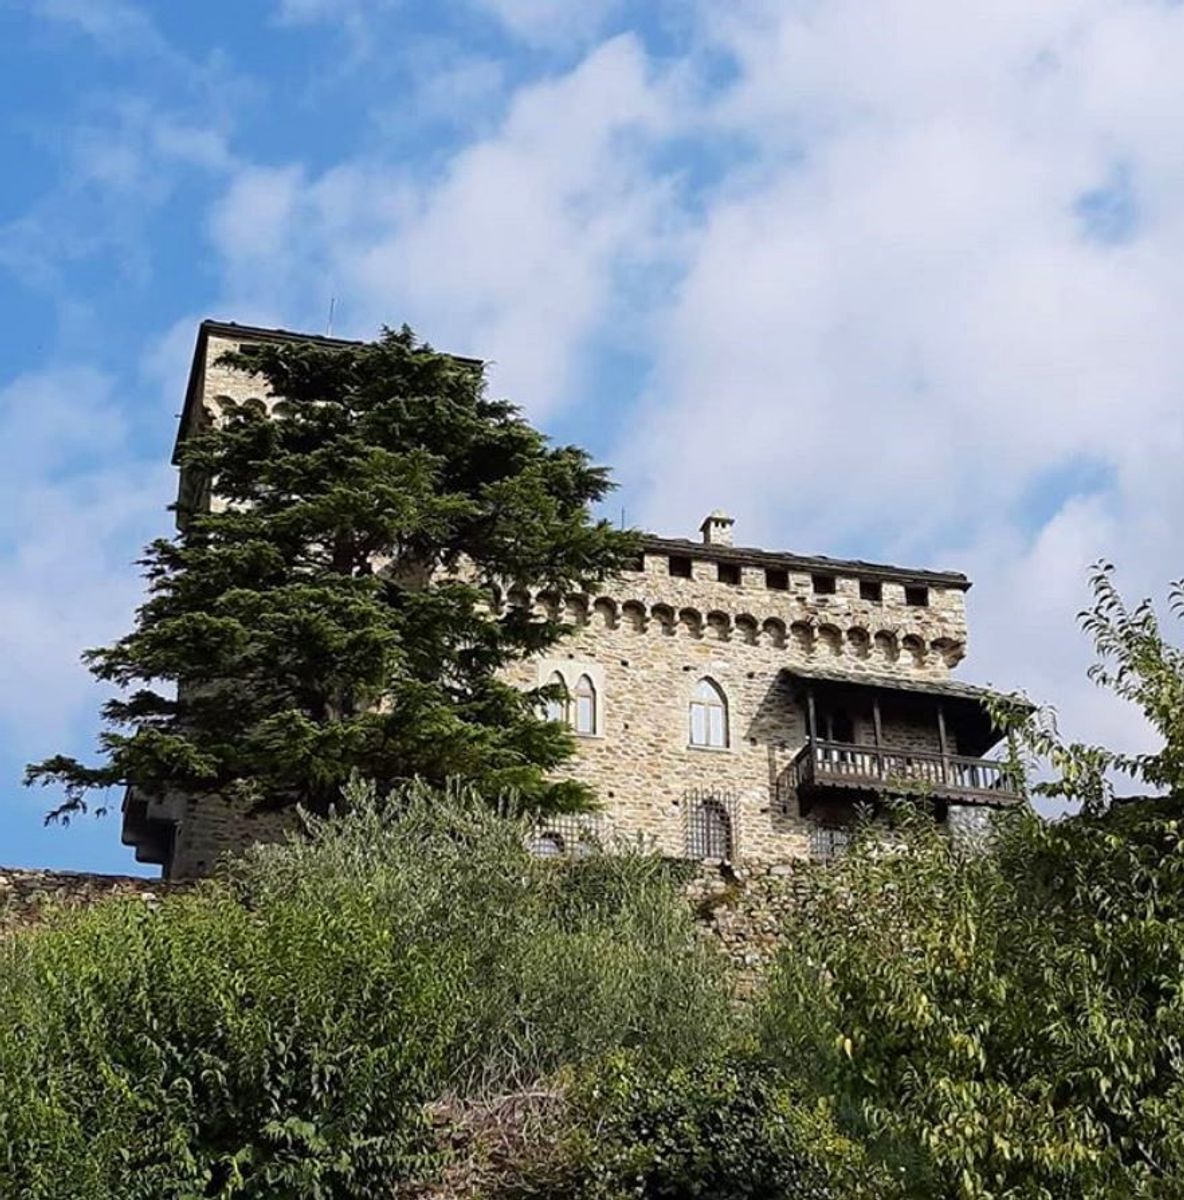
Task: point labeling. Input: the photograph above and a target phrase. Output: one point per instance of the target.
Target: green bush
(726, 1128)
(1000, 1025)
(279, 1034)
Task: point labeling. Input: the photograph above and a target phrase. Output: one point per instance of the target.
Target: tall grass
(279, 1033)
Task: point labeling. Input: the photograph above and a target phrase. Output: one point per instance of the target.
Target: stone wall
(27, 895)
(744, 910)
(211, 827)
(647, 645)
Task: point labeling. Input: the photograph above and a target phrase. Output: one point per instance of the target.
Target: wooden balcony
(824, 765)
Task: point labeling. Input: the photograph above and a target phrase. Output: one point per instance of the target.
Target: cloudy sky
(898, 279)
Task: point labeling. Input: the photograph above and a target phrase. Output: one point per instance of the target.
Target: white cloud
(540, 22)
(552, 22)
(895, 326)
(118, 27)
(512, 252)
(73, 516)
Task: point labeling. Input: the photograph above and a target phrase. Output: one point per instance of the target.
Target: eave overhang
(966, 706)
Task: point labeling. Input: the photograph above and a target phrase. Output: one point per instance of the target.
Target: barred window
(828, 842)
(709, 716)
(547, 844)
(710, 830)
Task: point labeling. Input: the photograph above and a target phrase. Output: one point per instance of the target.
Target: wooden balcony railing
(838, 764)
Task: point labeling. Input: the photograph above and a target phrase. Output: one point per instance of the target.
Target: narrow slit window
(709, 716)
(585, 705)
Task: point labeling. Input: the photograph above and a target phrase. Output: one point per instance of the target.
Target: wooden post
(945, 751)
(878, 734)
(804, 802)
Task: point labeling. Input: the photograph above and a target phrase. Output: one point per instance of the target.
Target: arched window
(585, 705)
(709, 716)
(557, 705)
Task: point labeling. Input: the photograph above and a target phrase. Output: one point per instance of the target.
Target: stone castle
(729, 703)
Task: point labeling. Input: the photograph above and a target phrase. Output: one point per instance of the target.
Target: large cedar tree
(329, 614)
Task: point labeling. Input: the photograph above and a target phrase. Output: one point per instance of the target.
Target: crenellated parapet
(878, 639)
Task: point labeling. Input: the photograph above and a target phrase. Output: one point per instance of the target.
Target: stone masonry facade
(756, 632)
(648, 642)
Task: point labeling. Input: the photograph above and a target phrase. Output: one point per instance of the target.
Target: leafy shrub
(1004, 1024)
(725, 1128)
(280, 1034)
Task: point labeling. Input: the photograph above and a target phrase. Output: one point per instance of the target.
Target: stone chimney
(717, 529)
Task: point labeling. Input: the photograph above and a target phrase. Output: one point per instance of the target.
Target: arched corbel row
(807, 637)
(830, 639)
(690, 622)
(634, 616)
(606, 612)
(773, 633)
(747, 629)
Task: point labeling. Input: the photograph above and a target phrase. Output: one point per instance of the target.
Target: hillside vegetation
(407, 1000)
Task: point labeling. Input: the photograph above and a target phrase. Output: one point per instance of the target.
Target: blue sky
(882, 278)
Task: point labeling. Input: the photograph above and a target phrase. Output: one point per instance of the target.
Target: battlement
(862, 617)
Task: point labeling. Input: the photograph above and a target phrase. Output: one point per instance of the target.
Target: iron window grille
(566, 834)
(711, 824)
(828, 842)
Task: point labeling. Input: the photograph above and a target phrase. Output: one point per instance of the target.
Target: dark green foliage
(723, 1129)
(1011, 1023)
(329, 616)
(280, 1036)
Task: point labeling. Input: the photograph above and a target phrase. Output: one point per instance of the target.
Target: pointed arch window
(584, 707)
(709, 716)
(557, 705)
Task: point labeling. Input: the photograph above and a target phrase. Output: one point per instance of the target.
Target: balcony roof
(963, 704)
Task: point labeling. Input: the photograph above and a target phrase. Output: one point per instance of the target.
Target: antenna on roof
(332, 307)
(622, 516)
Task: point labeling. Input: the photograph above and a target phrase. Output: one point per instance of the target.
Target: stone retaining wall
(747, 909)
(26, 895)
(744, 909)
